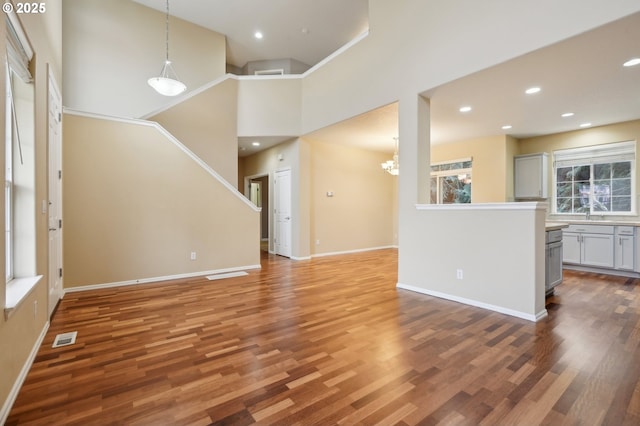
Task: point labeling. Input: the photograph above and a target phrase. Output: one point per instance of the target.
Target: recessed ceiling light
(465, 109)
(507, 127)
(567, 114)
(532, 90)
(256, 143)
(258, 35)
(632, 62)
(585, 125)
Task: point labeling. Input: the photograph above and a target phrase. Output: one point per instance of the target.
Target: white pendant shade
(165, 84)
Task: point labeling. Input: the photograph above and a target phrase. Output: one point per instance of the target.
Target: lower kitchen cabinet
(597, 250)
(600, 246)
(594, 248)
(571, 248)
(625, 243)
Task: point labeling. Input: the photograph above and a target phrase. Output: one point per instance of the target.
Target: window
(451, 182)
(595, 180)
(20, 202)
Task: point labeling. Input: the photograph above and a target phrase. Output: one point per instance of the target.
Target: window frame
(609, 153)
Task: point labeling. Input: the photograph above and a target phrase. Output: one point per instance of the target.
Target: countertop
(552, 226)
(602, 222)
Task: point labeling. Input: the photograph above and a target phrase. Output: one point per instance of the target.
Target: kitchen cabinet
(530, 176)
(625, 242)
(589, 245)
(553, 263)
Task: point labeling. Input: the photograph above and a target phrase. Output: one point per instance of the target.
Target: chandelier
(167, 83)
(392, 166)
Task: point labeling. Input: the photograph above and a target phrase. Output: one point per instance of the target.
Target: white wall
(111, 49)
(499, 248)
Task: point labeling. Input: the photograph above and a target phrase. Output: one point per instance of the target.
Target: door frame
(54, 168)
(269, 211)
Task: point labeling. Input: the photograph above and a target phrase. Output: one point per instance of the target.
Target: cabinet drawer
(625, 230)
(592, 229)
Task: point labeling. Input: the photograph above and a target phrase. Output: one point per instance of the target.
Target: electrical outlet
(193, 255)
(459, 274)
(35, 308)
(317, 242)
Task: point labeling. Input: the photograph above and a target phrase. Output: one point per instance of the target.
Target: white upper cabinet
(530, 174)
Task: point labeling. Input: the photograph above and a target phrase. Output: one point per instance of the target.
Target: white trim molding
(337, 253)
(535, 205)
(158, 279)
(173, 140)
(529, 317)
(15, 389)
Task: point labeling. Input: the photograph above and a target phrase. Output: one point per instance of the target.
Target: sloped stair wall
(138, 204)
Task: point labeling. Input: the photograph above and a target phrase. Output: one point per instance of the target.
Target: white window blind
(606, 153)
(19, 52)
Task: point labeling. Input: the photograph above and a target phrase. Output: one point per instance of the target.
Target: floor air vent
(65, 339)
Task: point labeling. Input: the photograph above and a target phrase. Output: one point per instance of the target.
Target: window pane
(582, 173)
(455, 189)
(564, 205)
(602, 171)
(621, 187)
(621, 170)
(564, 174)
(564, 190)
(621, 204)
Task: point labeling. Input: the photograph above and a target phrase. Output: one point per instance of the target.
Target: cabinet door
(554, 265)
(597, 250)
(571, 247)
(624, 251)
(530, 176)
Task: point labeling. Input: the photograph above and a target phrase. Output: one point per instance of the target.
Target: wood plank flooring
(332, 341)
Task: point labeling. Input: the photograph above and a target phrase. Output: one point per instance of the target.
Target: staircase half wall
(139, 206)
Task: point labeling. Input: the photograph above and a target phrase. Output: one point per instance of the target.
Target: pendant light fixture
(167, 83)
(391, 166)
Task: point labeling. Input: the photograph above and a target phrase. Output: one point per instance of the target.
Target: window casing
(596, 180)
(451, 182)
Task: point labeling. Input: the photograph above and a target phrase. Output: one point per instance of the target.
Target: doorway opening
(257, 190)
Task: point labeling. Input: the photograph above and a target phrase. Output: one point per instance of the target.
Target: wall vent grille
(65, 339)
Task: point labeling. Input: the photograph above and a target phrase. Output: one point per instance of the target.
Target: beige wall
(136, 206)
(207, 124)
(111, 49)
(619, 132)
(22, 330)
(360, 214)
(269, 106)
(490, 158)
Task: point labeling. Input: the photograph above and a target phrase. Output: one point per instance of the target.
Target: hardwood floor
(332, 341)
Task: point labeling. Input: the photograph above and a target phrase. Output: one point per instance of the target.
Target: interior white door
(55, 195)
(282, 212)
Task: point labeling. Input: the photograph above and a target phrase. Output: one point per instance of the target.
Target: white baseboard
(15, 389)
(158, 279)
(337, 253)
(529, 317)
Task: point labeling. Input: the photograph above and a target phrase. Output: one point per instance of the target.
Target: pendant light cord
(167, 32)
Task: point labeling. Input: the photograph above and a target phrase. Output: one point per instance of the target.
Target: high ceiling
(305, 30)
(583, 75)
